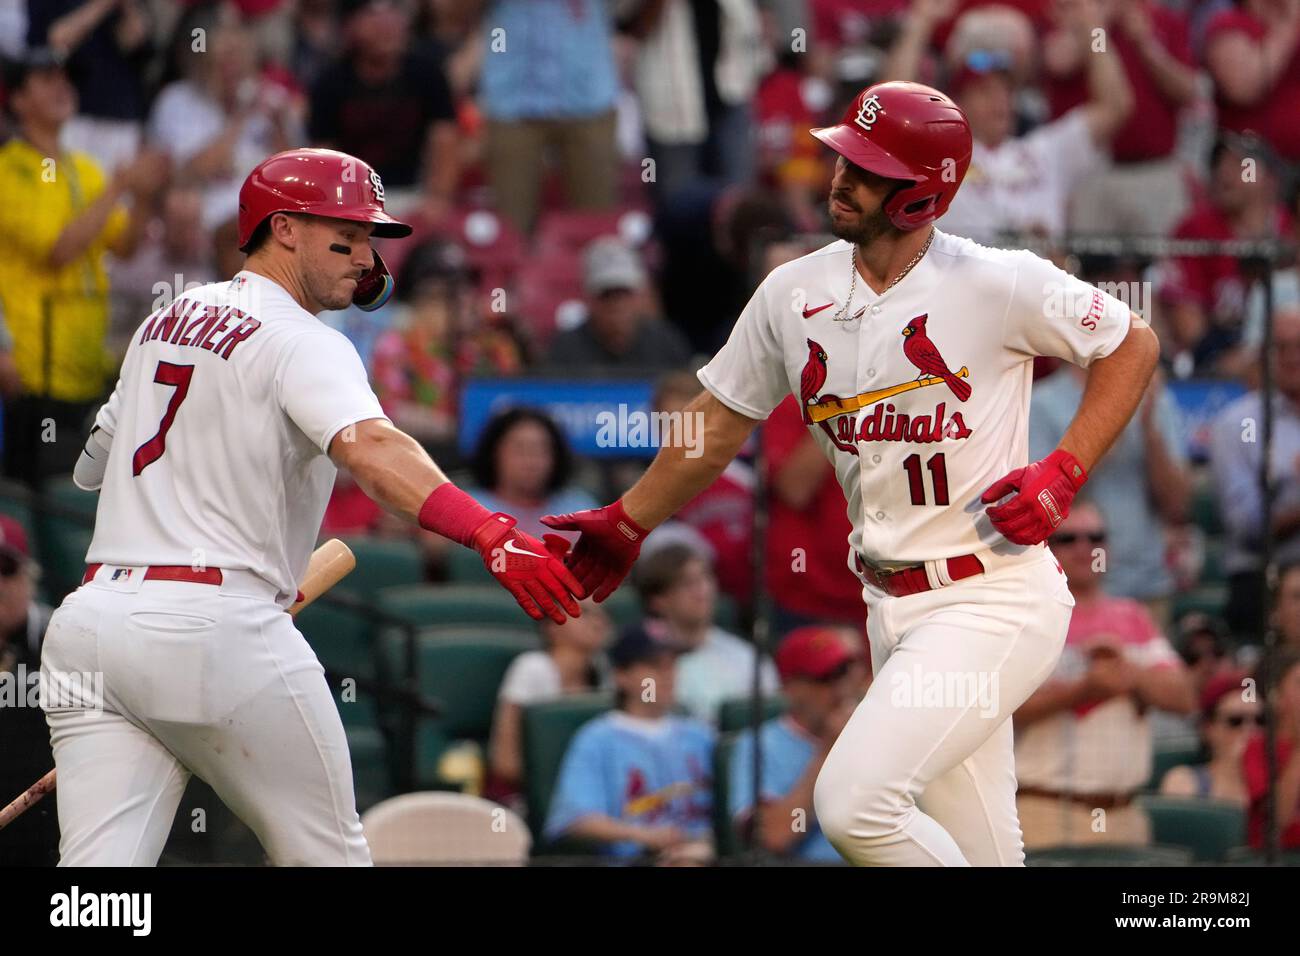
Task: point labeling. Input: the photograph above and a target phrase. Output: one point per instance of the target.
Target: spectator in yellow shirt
(58, 217)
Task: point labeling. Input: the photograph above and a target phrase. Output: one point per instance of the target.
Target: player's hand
(531, 570)
(1044, 491)
(1110, 676)
(607, 549)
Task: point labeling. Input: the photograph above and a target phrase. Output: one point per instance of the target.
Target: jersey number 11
(916, 481)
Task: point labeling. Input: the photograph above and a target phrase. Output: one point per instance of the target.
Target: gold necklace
(853, 278)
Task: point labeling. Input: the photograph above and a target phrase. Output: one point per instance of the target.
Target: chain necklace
(853, 276)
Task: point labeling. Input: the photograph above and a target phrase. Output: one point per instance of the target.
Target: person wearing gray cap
(618, 336)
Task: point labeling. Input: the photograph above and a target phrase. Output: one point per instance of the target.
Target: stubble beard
(866, 230)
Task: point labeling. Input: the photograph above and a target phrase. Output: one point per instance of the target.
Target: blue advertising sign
(601, 419)
(1200, 401)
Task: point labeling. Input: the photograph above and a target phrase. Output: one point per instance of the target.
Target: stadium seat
(1248, 856)
(1116, 855)
(1212, 570)
(623, 607)
(726, 613)
(725, 837)
(384, 562)
(1209, 828)
(433, 829)
(573, 229)
(734, 714)
(1206, 599)
(462, 677)
(547, 286)
(372, 775)
(1205, 507)
(1169, 754)
(547, 730)
(63, 533)
(340, 635)
(465, 566)
(426, 605)
(16, 502)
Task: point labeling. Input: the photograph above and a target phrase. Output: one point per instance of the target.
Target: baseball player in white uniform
(215, 457)
(911, 352)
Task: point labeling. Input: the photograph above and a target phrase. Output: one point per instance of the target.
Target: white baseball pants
(924, 773)
(212, 680)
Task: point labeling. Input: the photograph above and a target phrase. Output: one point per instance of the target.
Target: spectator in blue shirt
(637, 779)
(549, 83)
(1235, 441)
(823, 679)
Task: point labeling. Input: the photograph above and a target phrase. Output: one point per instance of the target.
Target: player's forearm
(675, 477)
(77, 237)
(389, 465)
(1048, 700)
(1114, 388)
(776, 818)
(605, 829)
(1169, 482)
(1110, 97)
(904, 59)
(1176, 80)
(1166, 688)
(69, 31)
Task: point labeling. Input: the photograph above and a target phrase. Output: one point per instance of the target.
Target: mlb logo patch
(121, 574)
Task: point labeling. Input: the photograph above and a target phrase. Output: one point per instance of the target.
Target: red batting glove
(530, 570)
(607, 549)
(1045, 490)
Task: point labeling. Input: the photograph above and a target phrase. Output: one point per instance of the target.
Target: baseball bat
(329, 564)
(829, 409)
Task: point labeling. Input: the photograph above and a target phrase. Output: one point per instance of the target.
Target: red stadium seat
(549, 284)
(573, 230)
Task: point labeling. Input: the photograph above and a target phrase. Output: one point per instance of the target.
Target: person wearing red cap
(823, 676)
(1229, 715)
(215, 458)
(32, 839)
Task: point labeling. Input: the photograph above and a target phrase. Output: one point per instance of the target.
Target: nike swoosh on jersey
(809, 313)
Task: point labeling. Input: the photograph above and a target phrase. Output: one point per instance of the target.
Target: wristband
(450, 512)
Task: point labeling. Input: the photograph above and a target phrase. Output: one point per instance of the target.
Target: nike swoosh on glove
(531, 570)
(608, 547)
(1044, 491)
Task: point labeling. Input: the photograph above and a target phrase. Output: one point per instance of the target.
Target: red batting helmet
(321, 182)
(906, 131)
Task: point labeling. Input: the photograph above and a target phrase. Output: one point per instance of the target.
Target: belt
(913, 580)
(1093, 801)
(168, 572)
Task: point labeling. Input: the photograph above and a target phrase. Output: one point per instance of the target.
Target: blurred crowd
(597, 186)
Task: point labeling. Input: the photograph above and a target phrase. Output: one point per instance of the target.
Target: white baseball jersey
(917, 424)
(221, 420)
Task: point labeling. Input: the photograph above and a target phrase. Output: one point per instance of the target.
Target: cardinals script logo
(884, 422)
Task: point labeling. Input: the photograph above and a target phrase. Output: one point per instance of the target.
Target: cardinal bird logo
(922, 353)
(812, 378)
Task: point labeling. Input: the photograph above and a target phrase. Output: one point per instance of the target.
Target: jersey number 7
(177, 376)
